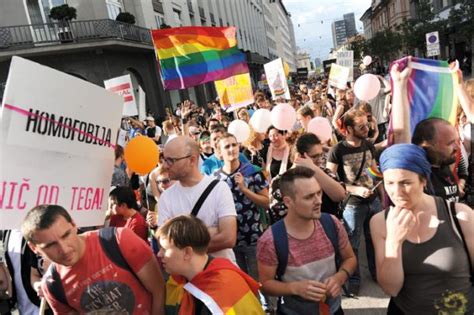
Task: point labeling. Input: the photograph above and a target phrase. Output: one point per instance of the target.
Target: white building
(303, 60)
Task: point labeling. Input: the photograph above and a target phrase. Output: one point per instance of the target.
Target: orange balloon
(141, 155)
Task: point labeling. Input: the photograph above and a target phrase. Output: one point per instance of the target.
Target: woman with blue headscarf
(422, 261)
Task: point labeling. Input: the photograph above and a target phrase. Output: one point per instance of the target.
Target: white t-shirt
(178, 200)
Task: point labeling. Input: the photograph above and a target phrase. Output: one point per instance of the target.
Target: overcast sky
(312, 21)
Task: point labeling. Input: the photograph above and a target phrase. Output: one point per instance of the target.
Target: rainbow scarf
(431, 89)
(193, 55)
(222, 287)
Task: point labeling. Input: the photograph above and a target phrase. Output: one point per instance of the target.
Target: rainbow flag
(222, 287)
(431, 89)
(193, 55)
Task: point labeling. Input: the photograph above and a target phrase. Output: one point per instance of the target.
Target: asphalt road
(371, 299)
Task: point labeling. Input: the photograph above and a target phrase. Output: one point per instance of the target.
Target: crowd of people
(271, 225)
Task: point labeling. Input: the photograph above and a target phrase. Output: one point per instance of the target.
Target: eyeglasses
(171, 161)
(163, 181)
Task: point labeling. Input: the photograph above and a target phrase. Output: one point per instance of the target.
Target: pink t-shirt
(136, 223)
(95, 283)
(312, 258)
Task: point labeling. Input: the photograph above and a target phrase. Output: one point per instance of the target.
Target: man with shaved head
(217, 211)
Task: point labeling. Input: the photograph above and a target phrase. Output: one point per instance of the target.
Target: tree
(385, 45)
(462, 22)
(360, 47)
(63, 13)
(414, 30)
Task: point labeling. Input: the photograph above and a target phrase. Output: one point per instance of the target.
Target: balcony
(40, 35)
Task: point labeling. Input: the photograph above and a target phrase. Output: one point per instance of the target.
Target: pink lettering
(74, 190)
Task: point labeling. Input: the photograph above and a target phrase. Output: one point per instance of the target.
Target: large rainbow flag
(222, 287)
(431, 89)
(193, 55)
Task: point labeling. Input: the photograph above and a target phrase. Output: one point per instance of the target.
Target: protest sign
(338, 76)
(277, 81)
(141, 104)
(57, 136)
(346, 59)
(123, 86)
(235, 92)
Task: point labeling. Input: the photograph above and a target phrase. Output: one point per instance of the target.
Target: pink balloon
(321, 127)
(367, 60)
(367, 87)
(283, 116)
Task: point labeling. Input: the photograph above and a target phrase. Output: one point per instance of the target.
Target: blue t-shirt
(212, 164)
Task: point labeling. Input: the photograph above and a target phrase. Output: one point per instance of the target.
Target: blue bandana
(405, 156)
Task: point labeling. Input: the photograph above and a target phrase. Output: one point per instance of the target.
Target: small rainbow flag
(374, 173)
(193, 55)
(431, 89)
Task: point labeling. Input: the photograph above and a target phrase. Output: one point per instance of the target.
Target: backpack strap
(280, 241)
(203, 197)
(55, 287)
(330, 229)
(108, 243)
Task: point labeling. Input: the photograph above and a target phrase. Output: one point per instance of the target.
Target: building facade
(304, 60)
(99, 48)
(349, 20)
(338, 33)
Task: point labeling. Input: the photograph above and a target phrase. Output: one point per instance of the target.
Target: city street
(371, 299)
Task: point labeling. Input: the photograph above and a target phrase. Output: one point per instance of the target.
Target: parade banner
(275, 74)
(338, 76)
(123, 86)
(57, 137)
(235, 92)
(346, 59)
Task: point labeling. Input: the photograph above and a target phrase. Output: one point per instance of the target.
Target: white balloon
(283, 116)
(367, 60)
(261, 120)
(240, 130)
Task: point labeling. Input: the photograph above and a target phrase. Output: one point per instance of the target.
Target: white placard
(123, 86)
(346, 59)
(338, 76)
(141, 104)
(276, 79)
(57, 137)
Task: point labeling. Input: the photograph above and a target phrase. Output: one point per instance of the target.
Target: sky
(312, 22)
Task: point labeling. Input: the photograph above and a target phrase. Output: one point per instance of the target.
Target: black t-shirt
(444, 184)
(151, 133)
(349, 160)
(258, 158)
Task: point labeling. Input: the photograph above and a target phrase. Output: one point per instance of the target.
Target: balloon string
(27, 113)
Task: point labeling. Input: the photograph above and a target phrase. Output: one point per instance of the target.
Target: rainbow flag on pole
(193, 55)
(431, 89)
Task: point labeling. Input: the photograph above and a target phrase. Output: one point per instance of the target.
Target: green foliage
(125, 17)
(385, 44)
(413, 31)
(63, 13)
(461, 19)
(360, 46)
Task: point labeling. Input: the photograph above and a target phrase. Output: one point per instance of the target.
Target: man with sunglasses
(181, 160)
(349, 159)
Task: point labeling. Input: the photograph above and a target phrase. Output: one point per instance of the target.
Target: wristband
(346, 272)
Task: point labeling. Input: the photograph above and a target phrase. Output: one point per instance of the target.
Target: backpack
(108, 243)
(280, 240)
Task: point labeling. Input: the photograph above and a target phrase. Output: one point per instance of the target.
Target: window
(114, 7)
(177, 17)
(159, 19)
(38, 10)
